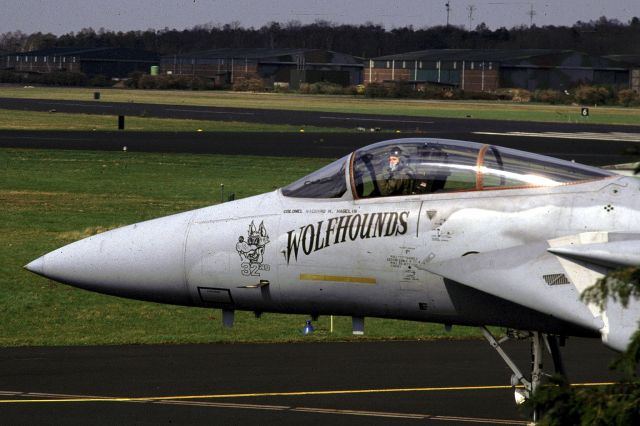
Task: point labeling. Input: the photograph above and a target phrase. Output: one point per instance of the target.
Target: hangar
(634, 63)
(108, 61)
(487, 70)
(275, 66)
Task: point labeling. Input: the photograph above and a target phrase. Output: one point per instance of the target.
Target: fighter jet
(431, 230)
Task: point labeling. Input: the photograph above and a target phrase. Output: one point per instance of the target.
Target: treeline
(599, 37)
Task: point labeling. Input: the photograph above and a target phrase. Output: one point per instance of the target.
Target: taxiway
(368, 383)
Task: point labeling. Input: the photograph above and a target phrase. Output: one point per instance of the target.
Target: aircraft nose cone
(36, 266)
(141, 261)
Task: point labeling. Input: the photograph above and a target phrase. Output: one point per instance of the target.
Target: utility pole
(531, 11)
(531, 14)
(471, 8)
(448, 6)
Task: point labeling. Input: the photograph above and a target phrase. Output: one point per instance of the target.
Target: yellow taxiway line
(197, 400)
(63, 398)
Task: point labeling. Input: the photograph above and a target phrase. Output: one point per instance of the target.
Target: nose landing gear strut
(531, 384)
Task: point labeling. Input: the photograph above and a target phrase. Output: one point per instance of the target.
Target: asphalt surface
(445, 382)
(361, 383)
(328, 145)
(585, 143)
(309, 118)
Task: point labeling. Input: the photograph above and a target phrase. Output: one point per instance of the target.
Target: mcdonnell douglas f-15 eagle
(418, 229)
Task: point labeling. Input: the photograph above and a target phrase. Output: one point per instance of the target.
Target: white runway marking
(202, 111)
(74, 104)
(376, 119)
(608, 136)
(30, 398)
(386, 414)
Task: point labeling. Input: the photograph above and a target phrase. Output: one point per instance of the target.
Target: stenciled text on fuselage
(336, 230)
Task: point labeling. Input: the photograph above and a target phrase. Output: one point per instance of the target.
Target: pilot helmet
(396, 152)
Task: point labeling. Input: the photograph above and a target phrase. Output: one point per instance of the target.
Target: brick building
(274, 66)
(633, 61)
(488, 70)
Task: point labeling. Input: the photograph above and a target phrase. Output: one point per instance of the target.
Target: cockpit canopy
(425, 166)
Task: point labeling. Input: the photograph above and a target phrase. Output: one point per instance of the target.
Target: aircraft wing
(527, 275)
(549, 276)
(612, 254)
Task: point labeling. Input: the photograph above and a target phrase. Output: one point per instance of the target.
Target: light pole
(448, 6)
(471, 8)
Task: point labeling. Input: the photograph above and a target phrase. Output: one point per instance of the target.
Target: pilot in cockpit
(397, 177)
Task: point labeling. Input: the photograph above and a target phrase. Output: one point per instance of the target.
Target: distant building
(108, 61)
(634, 63)
(488, 70)
(275, 66)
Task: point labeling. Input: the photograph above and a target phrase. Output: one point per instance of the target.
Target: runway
(585, 143)
(326, 145)
(368, 383)
(411, 124)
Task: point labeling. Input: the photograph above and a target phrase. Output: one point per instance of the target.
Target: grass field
(350, 104)
(31, 120)
(51, 198)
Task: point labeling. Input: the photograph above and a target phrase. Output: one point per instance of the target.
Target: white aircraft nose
(141, 261)
(36, 266)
